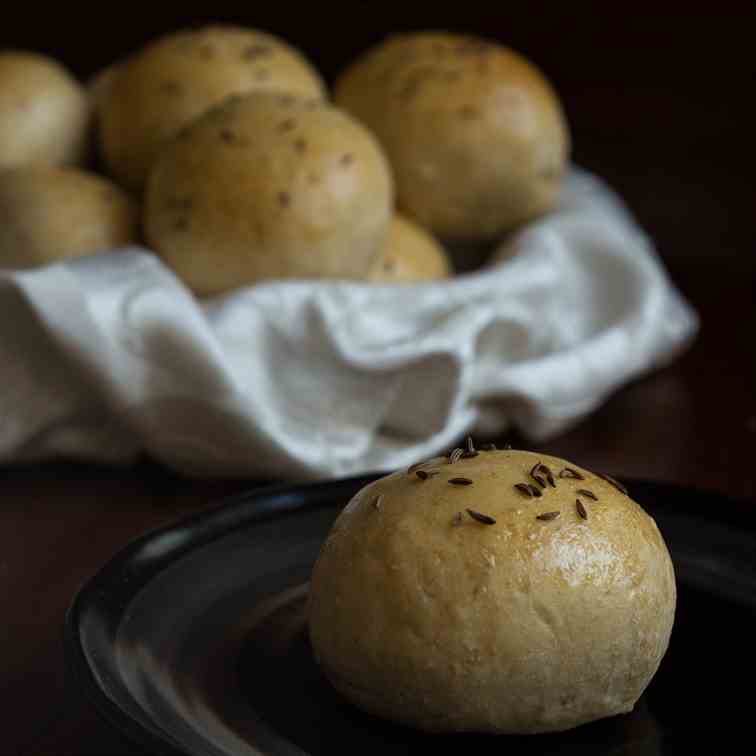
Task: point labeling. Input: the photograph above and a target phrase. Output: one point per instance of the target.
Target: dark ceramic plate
(192, 640)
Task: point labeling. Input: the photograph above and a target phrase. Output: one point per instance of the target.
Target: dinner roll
(52, 213)
(100, 83)
(409, 255)
(177, 77)
(499, 592)
(475, 134)
(44, 112)
(269, 186)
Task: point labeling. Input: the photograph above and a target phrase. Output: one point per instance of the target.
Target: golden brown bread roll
(507, 592)
(410, 255)
(174, 79)
(474, 132)
(44, 112)
(98, 88)
(269, 186)
(99, 85)
(51, 213)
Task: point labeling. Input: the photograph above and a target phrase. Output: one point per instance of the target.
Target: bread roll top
(177, 77)
(475, 132)
(44, 112)
(506, 592)
(268, 185)
(410, 255)
(51, 213)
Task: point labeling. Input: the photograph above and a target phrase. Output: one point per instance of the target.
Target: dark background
(657, 95)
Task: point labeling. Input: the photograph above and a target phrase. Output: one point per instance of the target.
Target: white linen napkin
(107, 357)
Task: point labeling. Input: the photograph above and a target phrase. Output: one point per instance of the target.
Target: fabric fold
(108, 357)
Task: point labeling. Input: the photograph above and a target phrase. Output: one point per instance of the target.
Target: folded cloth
(109, 357)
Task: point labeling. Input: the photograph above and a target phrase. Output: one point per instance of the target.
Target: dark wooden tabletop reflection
(676, 148)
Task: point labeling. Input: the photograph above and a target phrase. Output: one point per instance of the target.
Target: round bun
(51, 213)
(176, 78)
(453, 607)
(99, 85)
(269, 186)
(44, 112)
(474, 132)
(410, 255)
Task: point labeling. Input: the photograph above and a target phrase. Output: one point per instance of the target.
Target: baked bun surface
(51, 213)
(474, 132)
(410, 255)
(269, 186)
(504, 619)
(44, 112)
(174, 79)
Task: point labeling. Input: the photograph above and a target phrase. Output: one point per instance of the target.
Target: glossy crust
(44, 112)
(474, 132)
(179, 76)
(410, 255)
(424, 615)
(269, 186)
(49, 214)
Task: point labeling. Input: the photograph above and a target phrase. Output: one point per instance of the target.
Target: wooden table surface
(681, 160)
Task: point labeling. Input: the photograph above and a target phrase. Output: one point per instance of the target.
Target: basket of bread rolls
(336, 277)
(223, 152)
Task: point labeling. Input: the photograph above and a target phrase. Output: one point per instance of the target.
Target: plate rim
(248, 508)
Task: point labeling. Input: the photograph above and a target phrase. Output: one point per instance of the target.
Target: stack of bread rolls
(51, 206)
(222, 150)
